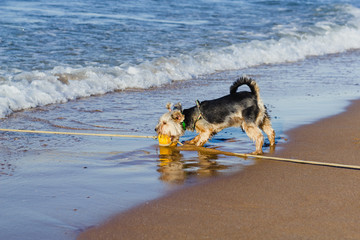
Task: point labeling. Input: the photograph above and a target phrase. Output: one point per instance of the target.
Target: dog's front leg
(200, 139)
(203, 138)
(194, 140)
(205, 130)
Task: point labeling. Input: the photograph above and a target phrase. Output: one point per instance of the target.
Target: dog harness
(200, 115)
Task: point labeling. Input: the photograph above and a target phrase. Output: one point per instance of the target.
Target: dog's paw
(190, 142)
(257, 152)
(200, 143)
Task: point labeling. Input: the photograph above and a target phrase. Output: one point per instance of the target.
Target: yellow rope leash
(216, 151)
(338, 165)
(74, 133)
(192, 148)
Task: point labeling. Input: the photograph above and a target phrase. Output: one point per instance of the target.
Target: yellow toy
(165, 141)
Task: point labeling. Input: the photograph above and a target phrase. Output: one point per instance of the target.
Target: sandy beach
(269, 200)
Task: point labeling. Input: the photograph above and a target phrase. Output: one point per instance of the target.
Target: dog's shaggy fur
(238, 109)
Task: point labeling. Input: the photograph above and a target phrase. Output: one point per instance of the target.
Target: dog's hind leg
(254, 133)
(267, 128)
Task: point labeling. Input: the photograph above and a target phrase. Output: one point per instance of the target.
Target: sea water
(56, 51)
(111, 67)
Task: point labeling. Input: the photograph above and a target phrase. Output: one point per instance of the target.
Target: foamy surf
(21, 90)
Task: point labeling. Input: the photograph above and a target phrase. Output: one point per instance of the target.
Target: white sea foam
(21, 90)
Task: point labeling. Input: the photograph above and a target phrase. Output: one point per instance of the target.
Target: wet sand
(268, 200)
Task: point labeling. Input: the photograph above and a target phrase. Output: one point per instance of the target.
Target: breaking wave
(21, 90)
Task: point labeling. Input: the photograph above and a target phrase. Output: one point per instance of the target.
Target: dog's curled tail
(254, 90)
(248, 81)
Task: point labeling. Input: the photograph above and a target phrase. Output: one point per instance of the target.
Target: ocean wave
(21, 90)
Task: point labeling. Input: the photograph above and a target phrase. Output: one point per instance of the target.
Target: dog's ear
(177, 116)
(168, 106)
(178, 107)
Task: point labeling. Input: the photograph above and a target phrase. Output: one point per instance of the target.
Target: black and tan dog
(238, 109)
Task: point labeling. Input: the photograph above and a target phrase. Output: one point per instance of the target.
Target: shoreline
(267, 200)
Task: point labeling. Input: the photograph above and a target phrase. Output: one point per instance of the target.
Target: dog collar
(183, 125)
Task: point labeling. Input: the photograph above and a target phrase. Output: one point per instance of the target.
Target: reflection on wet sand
(175, 168)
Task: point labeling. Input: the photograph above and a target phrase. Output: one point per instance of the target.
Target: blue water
(42, 35)
(53, 51)
(111, 66)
